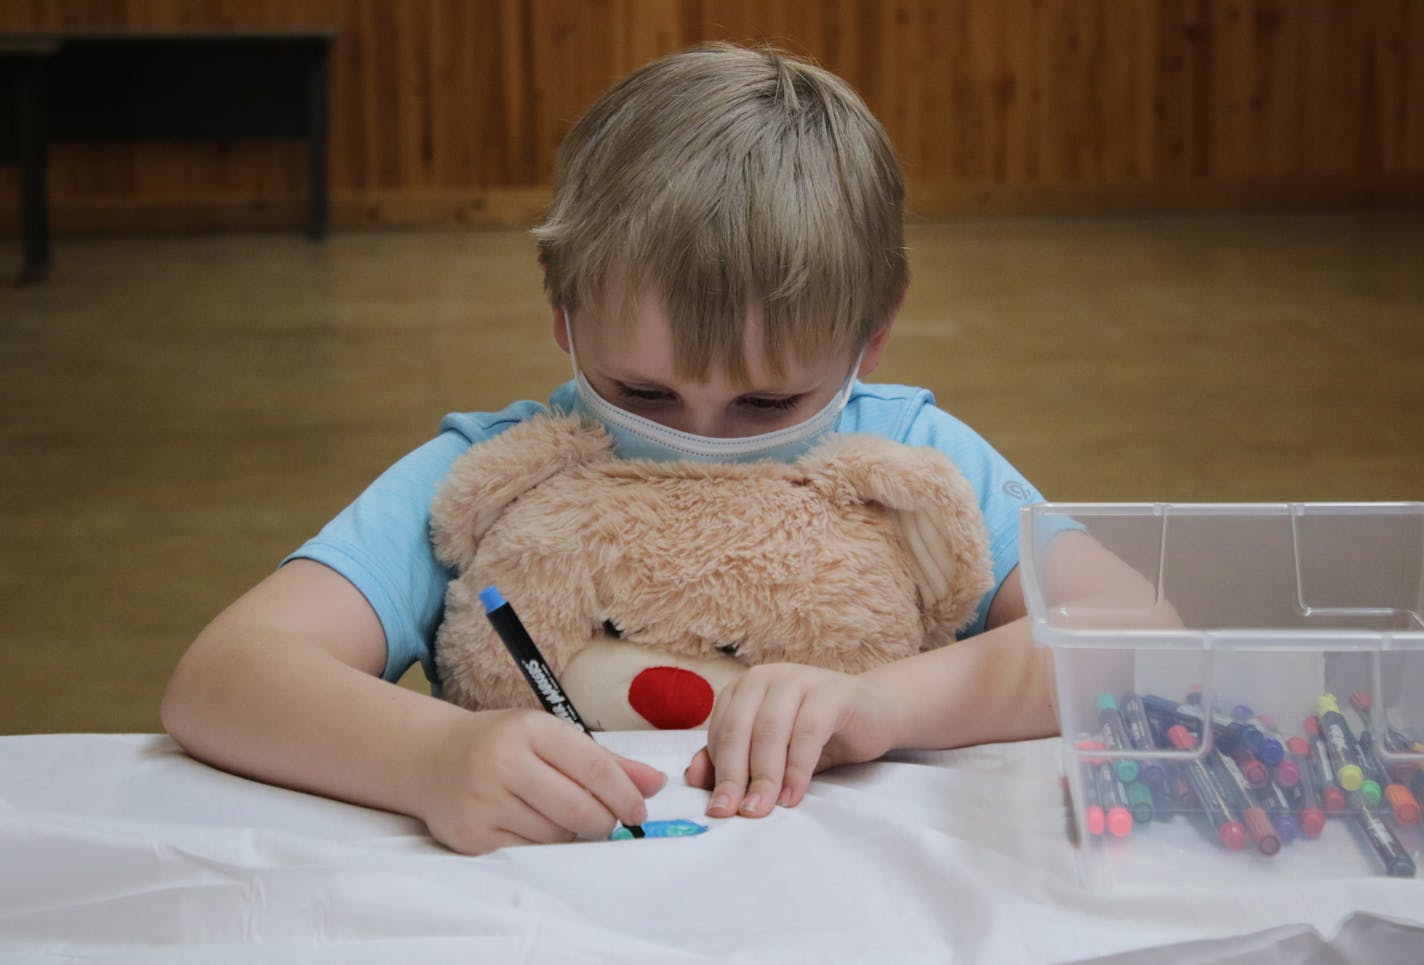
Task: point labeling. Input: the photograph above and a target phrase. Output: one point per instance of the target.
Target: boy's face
(631, 366)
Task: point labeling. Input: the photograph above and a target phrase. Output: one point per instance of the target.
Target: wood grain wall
(449, 111)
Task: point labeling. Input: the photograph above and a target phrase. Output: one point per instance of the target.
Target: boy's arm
(282, 686)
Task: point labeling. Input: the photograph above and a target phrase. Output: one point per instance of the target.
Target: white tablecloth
(120, 848)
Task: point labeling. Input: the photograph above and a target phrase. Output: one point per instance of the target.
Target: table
(133, 84)
(120, 848)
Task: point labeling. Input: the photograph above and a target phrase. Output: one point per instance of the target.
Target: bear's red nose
(671, 698)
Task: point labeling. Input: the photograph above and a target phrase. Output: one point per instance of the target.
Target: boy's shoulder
(905, 413)
(479, 426)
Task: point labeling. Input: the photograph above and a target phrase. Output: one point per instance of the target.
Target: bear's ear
(934, 509)
(497, 471)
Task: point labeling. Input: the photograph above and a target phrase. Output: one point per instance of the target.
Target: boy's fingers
(646, 778)
(598, 775)
(814, 727)
(699, 773)
(770, 740)
(729, 744)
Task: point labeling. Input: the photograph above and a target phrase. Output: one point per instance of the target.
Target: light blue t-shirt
(381, 542)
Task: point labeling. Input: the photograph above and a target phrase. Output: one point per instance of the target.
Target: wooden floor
(176, 414)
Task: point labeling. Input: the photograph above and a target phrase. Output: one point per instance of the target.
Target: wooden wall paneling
(451, 110)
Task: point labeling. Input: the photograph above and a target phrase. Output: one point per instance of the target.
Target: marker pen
(1094, 818)
(1394, 740)
(1339, 744)
(1213, 803)
(1271, 749)
(1272, 799)
(1116, 816)
(531, 663)
(1396, 861)
(1139, 733)
(1115, 738)
(1251, 767)
(1332, 796)
(1401, 801)
(1259, 737)
(1234, 788)
(1139, 802)
(1228, 734)
(1304, 793)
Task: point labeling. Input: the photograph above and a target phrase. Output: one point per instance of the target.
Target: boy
(724, 256)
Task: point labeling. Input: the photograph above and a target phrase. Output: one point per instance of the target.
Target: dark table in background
(131, 85)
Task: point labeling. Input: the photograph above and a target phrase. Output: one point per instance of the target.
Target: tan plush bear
(650, 585)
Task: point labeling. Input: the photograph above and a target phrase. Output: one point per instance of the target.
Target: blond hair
(727, 180)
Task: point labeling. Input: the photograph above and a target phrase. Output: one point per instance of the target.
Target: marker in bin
(1139, 733)
(1227, 734)
(1238, 792)
(1113, 734)
(1339, 744)
(1393, 740)
(1116, 815)
(1094, 818)
(1332, 796)
(1258, 735)
(1273, 800)
(1214, 804)
(1401, 801)
(1306, 793)
(531, 663)
(1396, 860)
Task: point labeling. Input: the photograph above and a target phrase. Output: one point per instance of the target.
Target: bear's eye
(730, 649)
(612, 630)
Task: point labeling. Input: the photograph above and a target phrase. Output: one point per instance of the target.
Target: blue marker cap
(491, 598)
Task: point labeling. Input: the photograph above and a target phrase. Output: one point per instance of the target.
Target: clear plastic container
(1250, 616)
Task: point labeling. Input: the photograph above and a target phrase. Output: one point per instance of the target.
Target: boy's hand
(776, 725)
(499, 778)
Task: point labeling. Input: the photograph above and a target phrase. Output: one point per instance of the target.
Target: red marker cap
(1095, 821)
(1298, 747)
(1334, 800)
(1120, 822)
(1181, 738)
(1255, 773)
(1312, 822)
(1287, 774)
(1258, 825)
(1360, 701)
(1233, 835)
(1406, 808)
(1312, 725)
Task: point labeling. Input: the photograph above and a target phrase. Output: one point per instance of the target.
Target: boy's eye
(780, 404)
(636, 394)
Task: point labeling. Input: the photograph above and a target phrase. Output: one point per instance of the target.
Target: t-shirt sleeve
(381, 541)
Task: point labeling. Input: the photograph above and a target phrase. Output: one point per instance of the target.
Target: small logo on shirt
(1018, 489)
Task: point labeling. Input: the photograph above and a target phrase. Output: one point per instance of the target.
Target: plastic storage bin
(1195, 684)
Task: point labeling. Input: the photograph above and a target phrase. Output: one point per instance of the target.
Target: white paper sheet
(119, 848)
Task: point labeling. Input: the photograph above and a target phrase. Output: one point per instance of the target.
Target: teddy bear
(648, 586)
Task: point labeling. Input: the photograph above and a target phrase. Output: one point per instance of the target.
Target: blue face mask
(635, 437)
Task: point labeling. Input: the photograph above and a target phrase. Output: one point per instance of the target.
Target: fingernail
(720, 802)
(785, 799)
(639, 816)
(750, 803)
